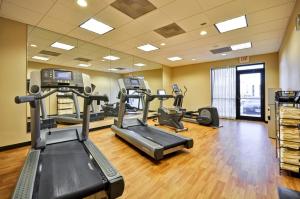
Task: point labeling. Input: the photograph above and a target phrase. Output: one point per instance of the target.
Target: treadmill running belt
(164, 139)
(68, 172)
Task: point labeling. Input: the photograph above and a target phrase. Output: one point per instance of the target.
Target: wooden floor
(236, 161)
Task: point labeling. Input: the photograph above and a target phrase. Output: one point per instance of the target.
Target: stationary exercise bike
(171, 116)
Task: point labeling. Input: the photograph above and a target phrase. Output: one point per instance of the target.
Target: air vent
(220, 50)
(120, 68)
(51, 53)
(170, 30)
(133, 8)
(82, 59)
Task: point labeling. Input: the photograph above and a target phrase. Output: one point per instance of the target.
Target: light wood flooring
(236, 161)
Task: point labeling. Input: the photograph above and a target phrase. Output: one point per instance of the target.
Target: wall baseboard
(14, 146)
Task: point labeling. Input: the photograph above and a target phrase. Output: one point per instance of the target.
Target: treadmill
(63, 162)
(153, 141)
(76, 118)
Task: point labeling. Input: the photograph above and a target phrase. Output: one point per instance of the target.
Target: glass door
(250, 92)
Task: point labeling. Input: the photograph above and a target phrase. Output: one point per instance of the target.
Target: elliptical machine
(171, 116)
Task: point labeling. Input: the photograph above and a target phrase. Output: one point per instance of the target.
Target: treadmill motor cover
(66, 171)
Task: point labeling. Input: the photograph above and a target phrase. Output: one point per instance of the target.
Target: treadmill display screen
(134, 82)
(62, 75)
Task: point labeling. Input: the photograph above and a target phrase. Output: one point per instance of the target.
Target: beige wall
(13, 39)
(106, 83)
(196, 78)
(167, 84)
(289, 55)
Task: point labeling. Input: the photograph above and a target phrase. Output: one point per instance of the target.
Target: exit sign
(244, 59)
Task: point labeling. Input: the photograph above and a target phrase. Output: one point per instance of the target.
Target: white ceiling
(43, 39)
(267, 21)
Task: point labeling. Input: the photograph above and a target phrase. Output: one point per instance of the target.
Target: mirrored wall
(105, 66)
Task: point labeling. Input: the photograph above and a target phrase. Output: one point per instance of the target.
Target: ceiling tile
(260, 5)
(15, 12)
(226, 11)
(269, 15)
(34, 5)
(206, 5)
(56, 25)
(83, 34)
(160, 3)
(194, 22)
(180, 9)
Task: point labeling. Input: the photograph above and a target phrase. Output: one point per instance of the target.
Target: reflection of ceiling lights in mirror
(82, 3)
(232, 24)
(139, 64)
(33, 45)
(102, 59)
(241, 46)
(223, 54)
(96, 26)
(193, 59)
(175, 58)
(113, 69)
(147, 47)
(62, 46)
(163, 44)
(111, 57)
(84, 65)
(40, 58)
(203, 33)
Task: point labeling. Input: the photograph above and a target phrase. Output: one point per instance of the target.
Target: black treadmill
(63, 162)
(153, 141)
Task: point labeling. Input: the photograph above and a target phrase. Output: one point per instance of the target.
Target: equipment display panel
(62, 75)
(134, 82)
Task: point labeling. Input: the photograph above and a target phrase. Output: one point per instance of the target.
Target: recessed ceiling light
(111, 57)
(40, 58)
(194, 59)
(139, 64)
(241, 46)
(203, 32)
(82, 3)
(33, 45)
(96, 26)
(84, 65)
(175, 58)
(62, 46)
(147, 47)
(162, 44)
(113, 69)
(223, 54)
(232, 24)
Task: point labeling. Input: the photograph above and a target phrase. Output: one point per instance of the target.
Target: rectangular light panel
(232, 24)
(40, 58)
(175, 58)
(111, 57)
(139, 64)
(241, 46)
(62, 46)
(96, 26)
(148, 47)
(84, 65)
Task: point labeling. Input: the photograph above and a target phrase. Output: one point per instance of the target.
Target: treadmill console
(61, 79)
(175, 88)
(133, 83)
(54, 78)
